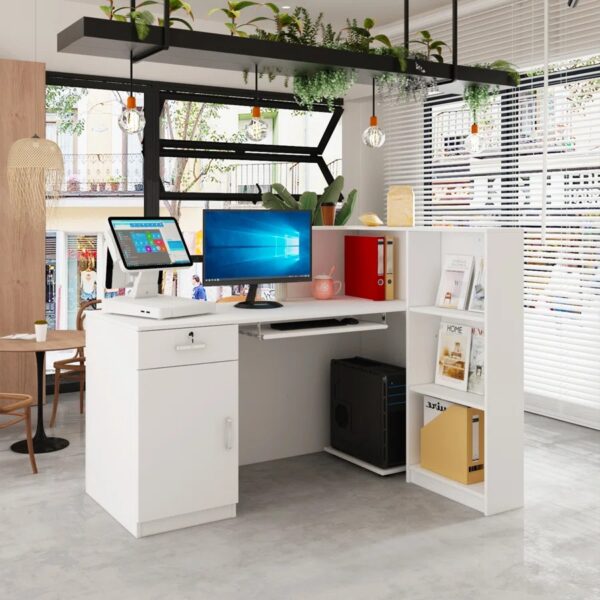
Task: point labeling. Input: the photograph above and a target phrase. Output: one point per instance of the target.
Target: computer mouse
(349, 321)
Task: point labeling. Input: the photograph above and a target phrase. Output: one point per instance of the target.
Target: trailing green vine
(478, 96)
(326, 86)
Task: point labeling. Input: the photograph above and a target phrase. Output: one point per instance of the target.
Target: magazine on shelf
(476, 361)
(455, 281)
(452, 365)
(477, 299)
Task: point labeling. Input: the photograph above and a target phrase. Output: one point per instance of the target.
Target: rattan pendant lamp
(35, 167)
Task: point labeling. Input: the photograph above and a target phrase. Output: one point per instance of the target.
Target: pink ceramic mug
(323, 287)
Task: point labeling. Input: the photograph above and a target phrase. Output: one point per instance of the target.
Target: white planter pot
(41, 332)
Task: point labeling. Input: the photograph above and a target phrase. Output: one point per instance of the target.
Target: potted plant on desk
(41, 330)
(281, 199)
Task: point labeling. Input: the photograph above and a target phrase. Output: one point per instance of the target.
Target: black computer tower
(368, 411)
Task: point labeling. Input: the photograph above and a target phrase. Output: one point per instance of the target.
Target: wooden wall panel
(22, 253)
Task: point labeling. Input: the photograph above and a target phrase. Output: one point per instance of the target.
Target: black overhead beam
(196, 145)
(111, 39)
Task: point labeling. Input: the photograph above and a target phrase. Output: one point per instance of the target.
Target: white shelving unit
(420, 253)
(502, 322)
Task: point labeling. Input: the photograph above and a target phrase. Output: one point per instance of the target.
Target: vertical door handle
(229, 433)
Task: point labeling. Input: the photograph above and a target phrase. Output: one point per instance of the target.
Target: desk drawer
(189, 346)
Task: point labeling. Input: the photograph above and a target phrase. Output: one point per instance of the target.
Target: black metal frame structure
(102, 37)
(156, 93)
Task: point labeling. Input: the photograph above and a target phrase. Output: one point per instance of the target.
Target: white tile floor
(309, 527)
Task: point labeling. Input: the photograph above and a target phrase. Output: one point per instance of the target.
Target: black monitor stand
(252, 302)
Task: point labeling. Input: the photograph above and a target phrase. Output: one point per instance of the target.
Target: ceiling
(335, 11)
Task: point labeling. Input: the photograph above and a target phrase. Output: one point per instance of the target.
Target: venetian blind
(540, 171)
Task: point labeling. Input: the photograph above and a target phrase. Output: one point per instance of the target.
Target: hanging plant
(478, 96)
(322, 86)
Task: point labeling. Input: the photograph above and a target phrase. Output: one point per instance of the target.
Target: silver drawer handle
(190, 347)
(229, 433)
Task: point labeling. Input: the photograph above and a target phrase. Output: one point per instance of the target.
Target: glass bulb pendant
(257, 129)
(372, 135)
(474, 143)
(132, 119)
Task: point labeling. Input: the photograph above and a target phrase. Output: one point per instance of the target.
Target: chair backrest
(81, 312)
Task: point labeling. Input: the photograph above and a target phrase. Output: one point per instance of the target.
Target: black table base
(42, 444)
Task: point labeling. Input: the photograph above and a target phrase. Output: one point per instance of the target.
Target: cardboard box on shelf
(452, 444)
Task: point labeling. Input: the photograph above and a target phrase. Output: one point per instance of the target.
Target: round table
(57, 340)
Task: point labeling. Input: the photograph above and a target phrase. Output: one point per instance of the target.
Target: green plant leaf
(120, 18)
(106, 10)
(241, 5)
(308, 201)
(178, 20)
(272, 202)
(425, 34)
(438, 57)
(285, 196)
(273, 7)
(368, 23)
(384, 39)
(342, 216)
(212, 11)
(142, 4)
(180, 4)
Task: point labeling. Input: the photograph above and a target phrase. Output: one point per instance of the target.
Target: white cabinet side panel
(111, 420)
(504, 370)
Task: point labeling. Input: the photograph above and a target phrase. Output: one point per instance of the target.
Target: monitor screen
(257, 246)
(149, 243)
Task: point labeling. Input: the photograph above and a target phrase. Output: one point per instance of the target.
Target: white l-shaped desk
(163, 407)
(174, 407)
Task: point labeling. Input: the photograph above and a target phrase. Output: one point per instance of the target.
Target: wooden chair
(72, 369)
(19, 407)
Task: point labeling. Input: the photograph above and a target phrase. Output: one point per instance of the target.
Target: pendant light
(35, 167)
(257, 129)
(132, 118)
(373, 137)
(474, 143)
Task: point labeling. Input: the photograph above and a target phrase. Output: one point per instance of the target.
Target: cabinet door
(188, 434)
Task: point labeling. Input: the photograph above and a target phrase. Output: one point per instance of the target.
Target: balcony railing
(101, 174)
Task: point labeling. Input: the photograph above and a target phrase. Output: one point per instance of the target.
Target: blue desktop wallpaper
(245, 245)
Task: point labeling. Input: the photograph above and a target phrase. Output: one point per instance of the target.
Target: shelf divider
(451, 395)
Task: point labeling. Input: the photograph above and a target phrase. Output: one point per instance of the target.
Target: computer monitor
(149, 243)
(256, 246)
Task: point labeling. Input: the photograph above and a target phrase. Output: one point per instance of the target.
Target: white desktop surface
(292, 310)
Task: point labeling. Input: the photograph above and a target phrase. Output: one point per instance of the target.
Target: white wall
(363, 166)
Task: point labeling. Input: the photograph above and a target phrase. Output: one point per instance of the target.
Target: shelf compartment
(111, 39)
(450, 313)
(472, 495)
(365, 465)
(449, 394)
(266, 333)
